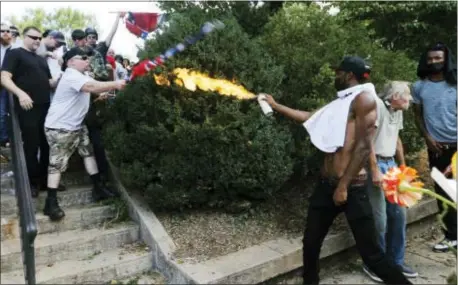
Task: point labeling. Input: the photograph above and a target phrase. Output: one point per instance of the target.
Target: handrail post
(26, 211)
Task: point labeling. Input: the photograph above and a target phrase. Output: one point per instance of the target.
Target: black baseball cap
(356, 65)
(72, 53)
(58, 36)
(78, 34)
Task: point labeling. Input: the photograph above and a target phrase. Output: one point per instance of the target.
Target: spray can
(266, 109)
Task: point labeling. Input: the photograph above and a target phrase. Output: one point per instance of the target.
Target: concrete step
(7, 183)
(74, 195)
(75, 218)
(76, 244)
(73, 178)
(69, 179)
(101, 268)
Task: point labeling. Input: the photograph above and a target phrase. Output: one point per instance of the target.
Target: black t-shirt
(30, 73)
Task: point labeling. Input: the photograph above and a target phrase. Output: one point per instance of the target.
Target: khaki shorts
(63, 143)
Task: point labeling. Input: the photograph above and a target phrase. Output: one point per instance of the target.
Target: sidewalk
(433, 268)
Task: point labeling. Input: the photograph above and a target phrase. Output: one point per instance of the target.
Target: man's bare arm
(400, 152)
(364, 110)
(7, 82)
(297, 115)
(110, 36)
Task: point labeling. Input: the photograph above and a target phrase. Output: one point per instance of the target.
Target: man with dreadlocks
(434, 97)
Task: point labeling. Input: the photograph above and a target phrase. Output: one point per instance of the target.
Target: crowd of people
(56, 99)
(56, 102)
(359, 133)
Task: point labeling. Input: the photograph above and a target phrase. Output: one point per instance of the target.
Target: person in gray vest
(434, 97)
(390, 219)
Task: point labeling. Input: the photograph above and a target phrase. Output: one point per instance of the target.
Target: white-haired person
(387, 152)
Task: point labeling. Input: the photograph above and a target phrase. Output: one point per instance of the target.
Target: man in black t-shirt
(27, 76)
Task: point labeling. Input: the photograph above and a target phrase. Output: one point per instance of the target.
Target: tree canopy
(64, 20)
(407, 26)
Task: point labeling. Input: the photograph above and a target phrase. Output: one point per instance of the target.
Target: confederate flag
(141, 24)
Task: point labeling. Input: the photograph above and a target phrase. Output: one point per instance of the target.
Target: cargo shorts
(62, 145)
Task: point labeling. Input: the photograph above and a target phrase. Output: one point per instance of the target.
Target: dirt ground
(202, 235)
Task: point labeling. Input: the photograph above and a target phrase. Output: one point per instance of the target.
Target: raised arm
(110, 36)
(297, 115)
(365, 112)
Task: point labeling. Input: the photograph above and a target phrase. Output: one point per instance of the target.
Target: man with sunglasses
(27, 76)
(65, 130)
(98, 69)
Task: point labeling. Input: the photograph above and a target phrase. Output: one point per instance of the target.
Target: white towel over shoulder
(328, 125)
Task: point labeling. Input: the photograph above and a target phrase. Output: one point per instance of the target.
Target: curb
(252, 265)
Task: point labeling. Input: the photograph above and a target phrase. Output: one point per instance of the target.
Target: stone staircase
(95, 243)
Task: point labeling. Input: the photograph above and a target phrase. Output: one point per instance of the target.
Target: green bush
(192, 149)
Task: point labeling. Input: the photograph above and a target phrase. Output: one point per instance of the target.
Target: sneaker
(408, 272)
(445, 245)
(371, 274)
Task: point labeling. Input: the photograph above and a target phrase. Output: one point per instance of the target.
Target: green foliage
(64, 20)
(188, 149)
(308, 40)
(250, 15)
(408, 26)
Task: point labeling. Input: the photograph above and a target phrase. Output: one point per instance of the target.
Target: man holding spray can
(343, 130)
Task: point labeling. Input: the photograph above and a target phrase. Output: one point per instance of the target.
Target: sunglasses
(34, 38)
(83, 57)
(5, 31)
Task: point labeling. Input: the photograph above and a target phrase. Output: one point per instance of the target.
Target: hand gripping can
(265, 107)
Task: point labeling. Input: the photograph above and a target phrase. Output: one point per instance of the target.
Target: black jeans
(95, 135)
(321, 214)
(441, 162)
(32, 124)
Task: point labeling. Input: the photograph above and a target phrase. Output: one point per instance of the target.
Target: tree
(251, 15)
(406, 26)
(64, 20)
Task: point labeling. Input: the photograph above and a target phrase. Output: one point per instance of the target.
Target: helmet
(91, 31)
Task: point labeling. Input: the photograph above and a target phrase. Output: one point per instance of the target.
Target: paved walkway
(433, 268)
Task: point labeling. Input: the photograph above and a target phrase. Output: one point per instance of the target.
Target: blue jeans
(390, 220)
(3, 115)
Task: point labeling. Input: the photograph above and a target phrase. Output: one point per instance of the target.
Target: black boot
(100, 190)
(52, 208)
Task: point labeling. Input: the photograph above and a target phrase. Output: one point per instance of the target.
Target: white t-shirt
(388, 124)
(70, 105)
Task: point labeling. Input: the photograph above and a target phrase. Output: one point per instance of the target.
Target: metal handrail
(27, 221)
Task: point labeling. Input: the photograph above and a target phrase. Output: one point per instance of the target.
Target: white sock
(54, 180)
(91, 165)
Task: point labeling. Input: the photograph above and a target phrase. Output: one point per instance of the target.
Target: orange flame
(192, 80)
(396, 184)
